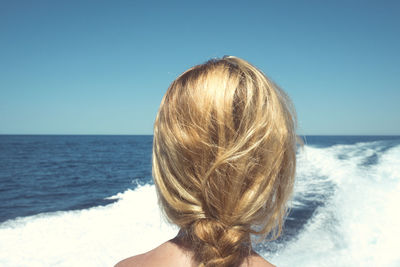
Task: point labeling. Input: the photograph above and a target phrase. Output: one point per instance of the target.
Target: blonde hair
(224, 158)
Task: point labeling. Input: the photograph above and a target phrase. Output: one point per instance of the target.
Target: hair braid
(216, 244)
(224, 158)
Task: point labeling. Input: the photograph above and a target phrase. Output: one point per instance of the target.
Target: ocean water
(90, 201)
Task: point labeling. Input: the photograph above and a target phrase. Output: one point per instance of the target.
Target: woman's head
(224, 157)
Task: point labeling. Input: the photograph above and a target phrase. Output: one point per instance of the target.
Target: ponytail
(224, 158)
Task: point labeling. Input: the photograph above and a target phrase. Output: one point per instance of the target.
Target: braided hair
(224, 158)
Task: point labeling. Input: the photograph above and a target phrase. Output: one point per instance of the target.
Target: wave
(344, 213)
(99, 236)
(358, 224)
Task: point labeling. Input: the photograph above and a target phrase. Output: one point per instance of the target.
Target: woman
(223, 164)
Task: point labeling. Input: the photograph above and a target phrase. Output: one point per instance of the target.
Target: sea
(90, 201)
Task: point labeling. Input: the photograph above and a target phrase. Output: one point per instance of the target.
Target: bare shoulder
(167, 254)
(131, 261)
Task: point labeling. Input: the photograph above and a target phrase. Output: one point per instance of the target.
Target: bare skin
(171, 254)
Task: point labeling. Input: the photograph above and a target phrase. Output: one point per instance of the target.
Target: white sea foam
(357, 226)
(98, 236)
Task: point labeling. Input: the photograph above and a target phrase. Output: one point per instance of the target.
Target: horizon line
(100, 134)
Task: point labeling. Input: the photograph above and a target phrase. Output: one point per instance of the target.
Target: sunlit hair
(224, 158)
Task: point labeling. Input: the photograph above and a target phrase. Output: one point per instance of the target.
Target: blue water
(74, 183)
(53, 172)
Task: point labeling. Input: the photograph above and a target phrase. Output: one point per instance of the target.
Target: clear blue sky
(102, 67)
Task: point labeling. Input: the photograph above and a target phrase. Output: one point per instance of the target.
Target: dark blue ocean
(90, 201)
